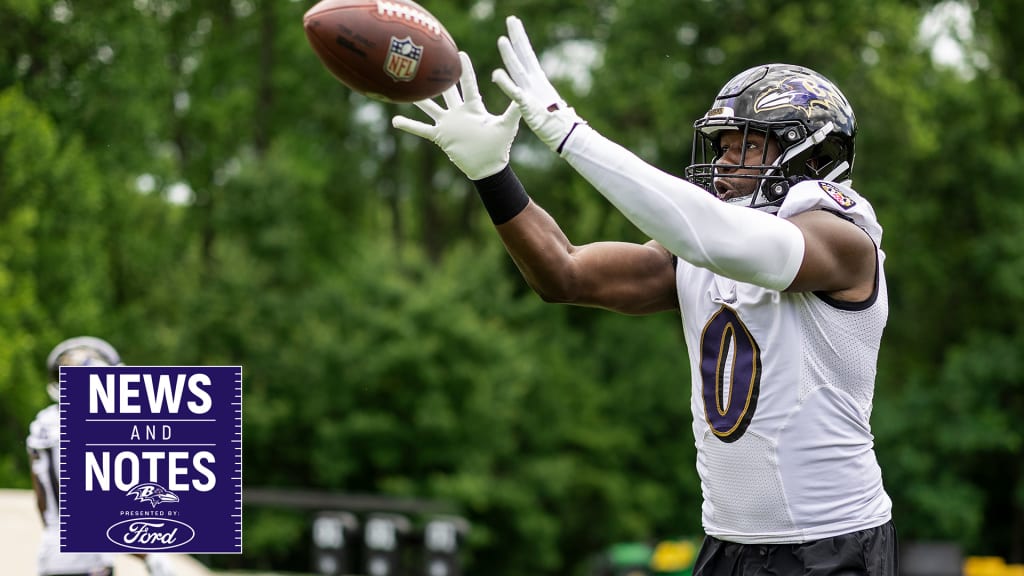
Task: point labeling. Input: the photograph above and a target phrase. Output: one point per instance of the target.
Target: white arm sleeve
(733, 241)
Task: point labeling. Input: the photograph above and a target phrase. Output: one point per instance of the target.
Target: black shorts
(871, 552)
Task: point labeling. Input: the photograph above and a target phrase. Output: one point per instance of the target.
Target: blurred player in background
(44, 449)
(775, 264)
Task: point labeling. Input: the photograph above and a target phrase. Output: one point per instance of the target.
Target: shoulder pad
(820, 195)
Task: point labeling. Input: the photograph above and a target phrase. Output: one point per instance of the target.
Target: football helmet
(78, 351)
(806, 114)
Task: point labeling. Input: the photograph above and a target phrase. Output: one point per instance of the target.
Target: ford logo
(150, 534)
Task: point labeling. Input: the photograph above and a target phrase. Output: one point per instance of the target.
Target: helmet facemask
(800, 157)
(755, 173)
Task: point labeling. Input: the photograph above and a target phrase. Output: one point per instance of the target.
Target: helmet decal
(803, 94)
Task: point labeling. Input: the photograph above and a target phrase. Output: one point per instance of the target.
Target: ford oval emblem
(150, 534)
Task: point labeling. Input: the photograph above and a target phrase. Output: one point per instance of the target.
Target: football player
(43, 445)
(775, 264)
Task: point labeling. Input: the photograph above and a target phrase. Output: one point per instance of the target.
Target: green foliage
(281, 536)
(44, 249)
(390, 346)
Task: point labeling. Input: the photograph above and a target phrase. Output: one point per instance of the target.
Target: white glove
(523, 80)
(477, 142)
(158, 565)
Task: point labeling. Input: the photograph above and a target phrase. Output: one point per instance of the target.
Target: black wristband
(503, 195)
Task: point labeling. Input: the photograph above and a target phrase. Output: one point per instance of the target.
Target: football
(389, 50)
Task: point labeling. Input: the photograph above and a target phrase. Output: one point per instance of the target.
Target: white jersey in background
(44, 448)
(782, 388)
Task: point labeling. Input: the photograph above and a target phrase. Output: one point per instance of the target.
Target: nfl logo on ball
(403, 59)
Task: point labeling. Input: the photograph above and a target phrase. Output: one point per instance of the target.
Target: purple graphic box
(151, 459)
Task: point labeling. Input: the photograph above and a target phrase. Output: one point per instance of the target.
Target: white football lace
(408, 13)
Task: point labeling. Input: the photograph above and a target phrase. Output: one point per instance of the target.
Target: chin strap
(842, 167)
(817, 137)
(775, 191)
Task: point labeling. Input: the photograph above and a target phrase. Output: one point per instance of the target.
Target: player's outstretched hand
(523, 80)
(476, 141)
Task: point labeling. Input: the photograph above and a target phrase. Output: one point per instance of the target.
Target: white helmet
(78, 351)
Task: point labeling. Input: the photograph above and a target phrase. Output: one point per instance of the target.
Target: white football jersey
(782, 388)
(43, 444)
